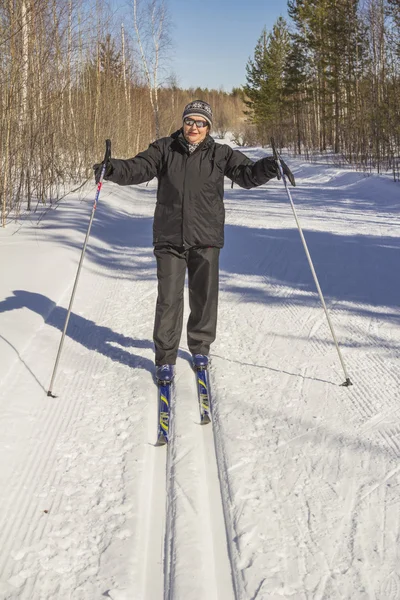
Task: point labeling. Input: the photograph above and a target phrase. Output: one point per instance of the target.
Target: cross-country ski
(200, 366)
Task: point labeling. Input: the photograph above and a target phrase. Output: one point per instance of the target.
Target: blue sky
(213, 39)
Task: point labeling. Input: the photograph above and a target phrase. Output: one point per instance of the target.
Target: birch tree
(151, 29)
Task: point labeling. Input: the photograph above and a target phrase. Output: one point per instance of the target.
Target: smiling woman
(188, 228)
(195, 130)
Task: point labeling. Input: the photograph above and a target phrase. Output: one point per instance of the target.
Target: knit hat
(198, 108)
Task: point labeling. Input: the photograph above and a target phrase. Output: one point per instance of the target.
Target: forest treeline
(67, 84)
(329, 80)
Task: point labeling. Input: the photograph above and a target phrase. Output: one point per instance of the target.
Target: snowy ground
(298, 494)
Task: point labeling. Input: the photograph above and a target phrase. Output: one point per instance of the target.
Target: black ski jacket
(190, 210)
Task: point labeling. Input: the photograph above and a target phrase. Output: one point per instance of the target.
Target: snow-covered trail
(298, 497)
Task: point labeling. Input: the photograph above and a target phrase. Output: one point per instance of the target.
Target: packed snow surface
(292, 492)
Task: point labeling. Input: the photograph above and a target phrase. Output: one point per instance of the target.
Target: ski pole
(107, 156)
(276, 156)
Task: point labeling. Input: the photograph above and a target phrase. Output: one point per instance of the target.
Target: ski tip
(162, 440)
(205, 419)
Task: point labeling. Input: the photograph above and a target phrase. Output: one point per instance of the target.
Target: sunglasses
(199, 124)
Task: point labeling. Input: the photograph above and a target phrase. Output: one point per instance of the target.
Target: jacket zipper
(183, 199)
(187, 157)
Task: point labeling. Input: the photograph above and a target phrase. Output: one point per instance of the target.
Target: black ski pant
(202, 265)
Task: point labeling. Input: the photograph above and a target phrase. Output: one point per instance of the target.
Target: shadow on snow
(359, 269)
(354, 268)
(104, 340)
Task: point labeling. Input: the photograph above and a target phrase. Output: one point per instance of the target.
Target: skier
(188, 227)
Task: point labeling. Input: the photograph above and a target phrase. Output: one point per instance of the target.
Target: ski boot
(200, 361)
(164, 373)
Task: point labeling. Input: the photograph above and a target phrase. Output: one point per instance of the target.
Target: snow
(294, 490)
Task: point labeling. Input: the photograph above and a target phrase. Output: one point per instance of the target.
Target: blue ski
(203, 392)
(164, 405)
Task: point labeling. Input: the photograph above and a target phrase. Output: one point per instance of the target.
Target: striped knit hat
(198, 108)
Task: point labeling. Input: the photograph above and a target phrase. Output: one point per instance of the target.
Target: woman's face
(193, 133)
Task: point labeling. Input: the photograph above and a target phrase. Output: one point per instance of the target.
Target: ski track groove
(155, 529)
(175, 498)
(227, 499)
(219, 502)
(170, 507)
(200, 529)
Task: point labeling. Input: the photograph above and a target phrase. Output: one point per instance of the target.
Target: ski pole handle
(274, 152)
(107, 156)
(277, 159)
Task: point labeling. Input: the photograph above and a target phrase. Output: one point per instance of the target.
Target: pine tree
(255, 87)
(265, 81)
(330, 32)
(296, 91)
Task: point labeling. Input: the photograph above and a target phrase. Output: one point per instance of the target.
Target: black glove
(286, 171)
(97, 170)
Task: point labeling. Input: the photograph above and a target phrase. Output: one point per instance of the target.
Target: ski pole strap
(274, 152)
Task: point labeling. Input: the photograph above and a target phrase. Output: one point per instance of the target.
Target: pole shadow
(95, 337)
